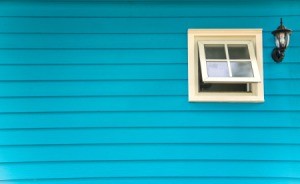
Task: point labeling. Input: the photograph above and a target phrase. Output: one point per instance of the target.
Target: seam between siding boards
(146, 160)
(152, 177)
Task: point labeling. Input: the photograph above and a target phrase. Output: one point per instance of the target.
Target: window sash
(230, 79)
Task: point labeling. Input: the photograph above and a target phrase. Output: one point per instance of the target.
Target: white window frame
(253, 36)
(203, 60)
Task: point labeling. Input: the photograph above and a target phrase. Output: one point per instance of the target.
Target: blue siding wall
(96, 92)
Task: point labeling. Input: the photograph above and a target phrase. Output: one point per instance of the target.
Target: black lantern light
(282, 40)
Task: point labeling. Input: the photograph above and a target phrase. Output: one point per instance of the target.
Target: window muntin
(228, 62)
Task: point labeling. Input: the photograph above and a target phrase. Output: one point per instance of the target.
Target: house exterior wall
(96, 92)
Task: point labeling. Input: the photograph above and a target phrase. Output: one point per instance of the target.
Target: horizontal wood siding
(96, 92)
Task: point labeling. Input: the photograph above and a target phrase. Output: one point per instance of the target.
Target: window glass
(238, 51)
(241, 69)
(217, 69)
(215, 51)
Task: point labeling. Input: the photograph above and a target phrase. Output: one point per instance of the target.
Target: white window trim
(195, 35)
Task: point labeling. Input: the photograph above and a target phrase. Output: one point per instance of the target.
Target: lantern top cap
(281, 29)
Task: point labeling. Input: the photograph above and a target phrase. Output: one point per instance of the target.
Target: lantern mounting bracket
(278, 55)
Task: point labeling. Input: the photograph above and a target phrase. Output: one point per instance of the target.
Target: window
(228, 61)
(225, 65)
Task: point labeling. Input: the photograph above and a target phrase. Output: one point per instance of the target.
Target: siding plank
(122, 72)
(122, 88)
(137, 25)
(154, 119)
(108, 41)
(150, 152)
(159, 180)
(150, 136)
(148, 169)
(139, 103)
(153, 8)
(114, 56)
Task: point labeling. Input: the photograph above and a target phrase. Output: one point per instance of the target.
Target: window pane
(217, 69)
(215, 51)
(241, 69)
(219, 87)
(238, 51)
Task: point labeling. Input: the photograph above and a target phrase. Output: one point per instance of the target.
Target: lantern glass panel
(282, 39)
(277, 40)
(287, 39)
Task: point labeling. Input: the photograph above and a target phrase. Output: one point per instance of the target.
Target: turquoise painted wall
(96, 92)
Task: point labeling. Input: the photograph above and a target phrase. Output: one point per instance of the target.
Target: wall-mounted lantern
(282, 40)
